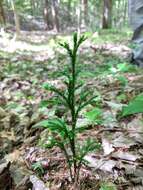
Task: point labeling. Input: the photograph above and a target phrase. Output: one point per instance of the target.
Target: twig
(118, 130)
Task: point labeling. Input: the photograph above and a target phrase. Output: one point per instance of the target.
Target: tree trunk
(16, 19)
(125, 11)
(85, 11)
(107, 14)
(2, 15)
(47, 15)
(78, 11)
(32, 7)
(118, 21)
(54, 8)
(69, 12)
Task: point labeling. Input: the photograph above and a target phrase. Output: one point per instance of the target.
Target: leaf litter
(120, 159)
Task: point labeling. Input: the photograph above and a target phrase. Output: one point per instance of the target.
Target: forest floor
(25, 65)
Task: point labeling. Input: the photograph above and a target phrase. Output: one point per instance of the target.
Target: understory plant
(64, 131)
(38, 168)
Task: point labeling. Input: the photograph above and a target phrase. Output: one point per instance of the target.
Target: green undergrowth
(113, 36)
(92, 64)
(108, 76)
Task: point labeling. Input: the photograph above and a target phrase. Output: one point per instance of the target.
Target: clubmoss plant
(64, 132)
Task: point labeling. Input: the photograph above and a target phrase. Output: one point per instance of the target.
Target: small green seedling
(95, 116)
(64, 132)
(37, 166)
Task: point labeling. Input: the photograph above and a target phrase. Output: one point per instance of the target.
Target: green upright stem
(71, 102)
(73, 110)
(68, 161)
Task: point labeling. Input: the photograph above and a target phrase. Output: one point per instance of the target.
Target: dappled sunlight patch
(113, 49)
